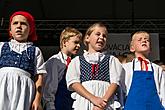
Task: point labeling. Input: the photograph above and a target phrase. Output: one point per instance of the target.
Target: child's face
(72, 45)
(141, 43)
(19, 28)
(97, 39)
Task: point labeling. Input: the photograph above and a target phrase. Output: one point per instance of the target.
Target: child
(95, 76)
(144, 80)
(56, 95)
(20, 62)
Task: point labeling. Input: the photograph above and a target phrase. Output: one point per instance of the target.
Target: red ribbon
(68, 60)
(94, 69)
(145, 62)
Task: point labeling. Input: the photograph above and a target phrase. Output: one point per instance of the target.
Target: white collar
(19, 47)
(96, 53)
(64, 56)
(15, 42)
(136, 60)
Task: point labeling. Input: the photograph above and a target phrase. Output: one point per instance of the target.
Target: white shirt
(55, 67)
(158, 76)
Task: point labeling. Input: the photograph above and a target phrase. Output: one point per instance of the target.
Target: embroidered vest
(102, 72)
(25, 61)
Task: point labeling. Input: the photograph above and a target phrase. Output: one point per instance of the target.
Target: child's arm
(109, 93)
(50, 83)
(40, 71)
(117, 79)
(38, 92)
(97, 101)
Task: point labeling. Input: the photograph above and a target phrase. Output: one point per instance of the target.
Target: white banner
(118, 44)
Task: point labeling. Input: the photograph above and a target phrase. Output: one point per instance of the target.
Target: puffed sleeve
(116, 71)
(117, 75)
(40, 67)
(73, 71)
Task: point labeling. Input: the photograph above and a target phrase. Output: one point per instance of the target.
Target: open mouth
(144, 45)
(100, 43)
(19, 32)
(76, 49)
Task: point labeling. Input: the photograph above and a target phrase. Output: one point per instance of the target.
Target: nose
(78, 45)
(144, 40)
(19, 25)
(101, 36)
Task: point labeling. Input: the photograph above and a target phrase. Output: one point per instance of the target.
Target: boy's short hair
(138, 32)
(67, 33)
(135, 33)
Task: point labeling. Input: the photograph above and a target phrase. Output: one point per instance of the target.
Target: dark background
(120, 16)
(86, 9)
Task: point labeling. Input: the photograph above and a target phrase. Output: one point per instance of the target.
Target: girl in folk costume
(20, 63)
(94, 77)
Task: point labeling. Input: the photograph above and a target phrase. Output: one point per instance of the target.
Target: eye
(24, 23)
(76, 42)
(139, 39)
(105, 36)
(98, 34)
(15, 23)
(147, 39)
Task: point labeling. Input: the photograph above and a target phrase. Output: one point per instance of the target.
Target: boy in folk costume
(144, 80)
(56, 95)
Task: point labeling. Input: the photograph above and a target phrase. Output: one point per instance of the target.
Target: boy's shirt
(158, 76)
(55, 67)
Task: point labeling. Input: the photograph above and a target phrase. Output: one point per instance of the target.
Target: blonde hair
(91, 29)
(136, 33)
(67, 33)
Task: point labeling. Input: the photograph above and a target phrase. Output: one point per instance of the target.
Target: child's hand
(36, 106)
(98, 103)
(97, 108)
